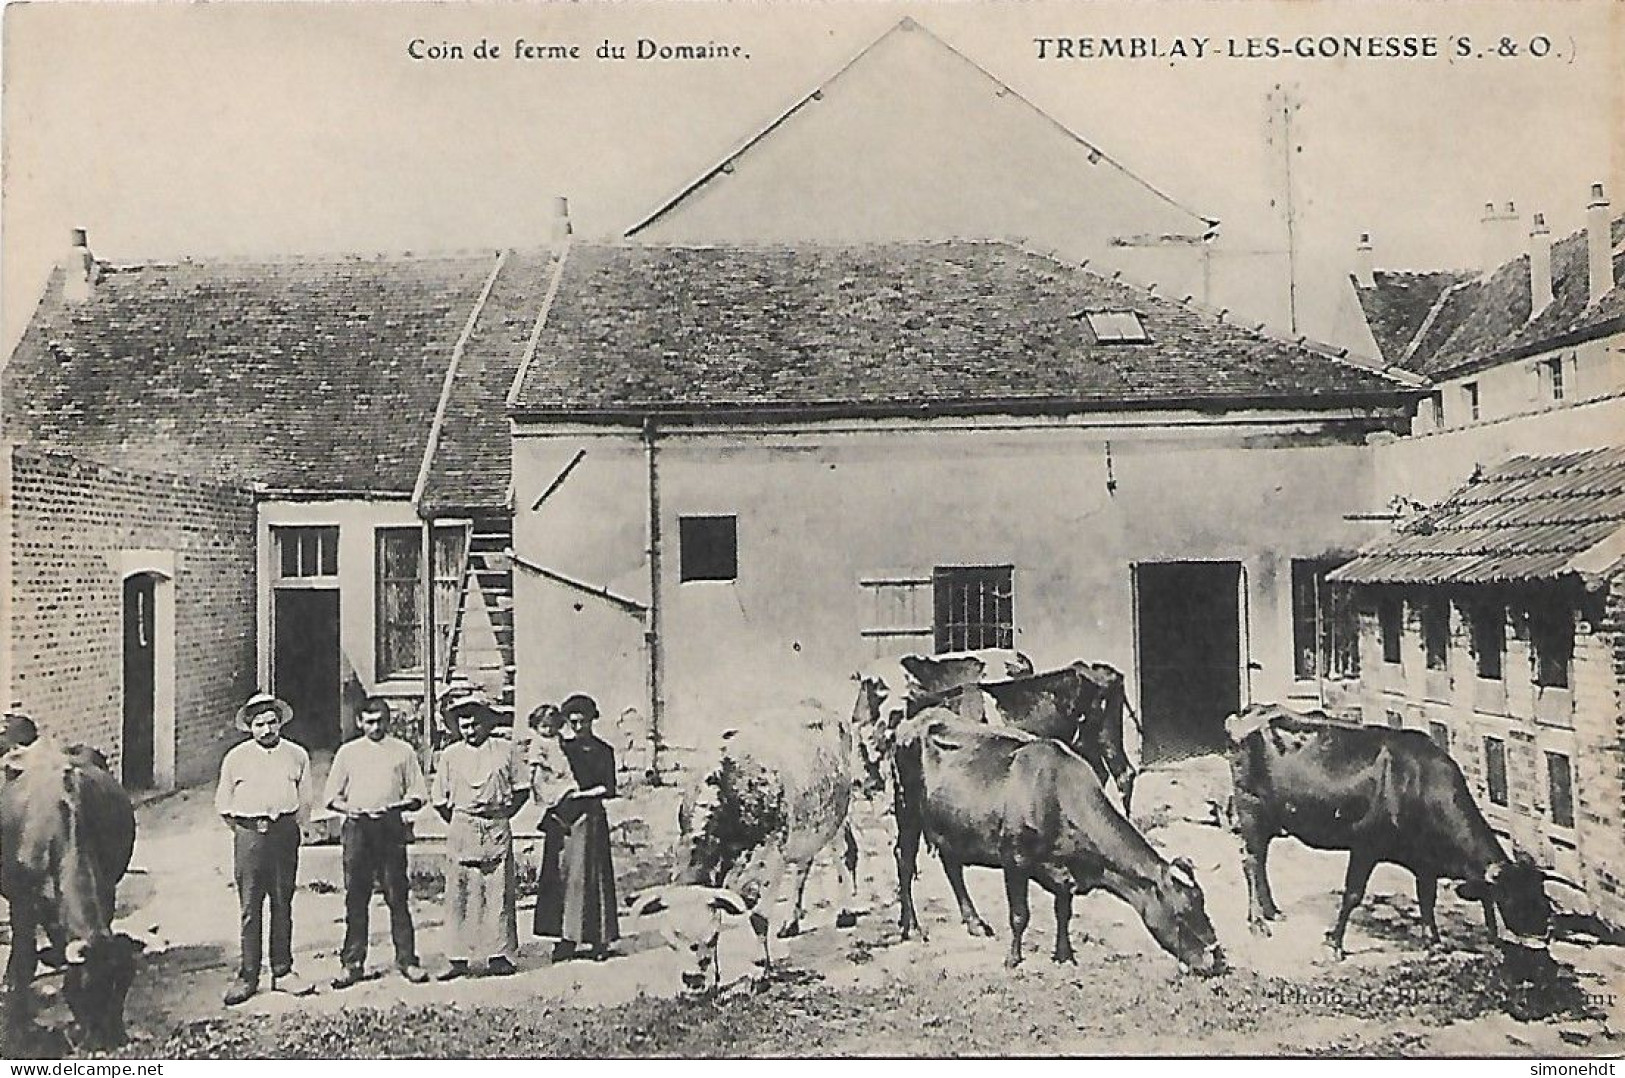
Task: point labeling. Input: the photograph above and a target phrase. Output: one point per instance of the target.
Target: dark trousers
(375, 853)
(266, 865)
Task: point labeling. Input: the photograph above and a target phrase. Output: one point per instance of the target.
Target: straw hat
(464, 699)
(262, 702)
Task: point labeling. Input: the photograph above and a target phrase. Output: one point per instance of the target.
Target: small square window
(1495, 770)
(708, 548)
(1116, 327)
(306, 552)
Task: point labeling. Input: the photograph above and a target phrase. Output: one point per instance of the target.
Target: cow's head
(1518, 889)
(96, 980)
(1176, 916)
(691, 922)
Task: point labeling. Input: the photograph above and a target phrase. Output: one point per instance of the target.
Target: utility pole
(1283, 107)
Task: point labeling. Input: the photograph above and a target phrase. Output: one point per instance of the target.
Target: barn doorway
(138, 745)
(1189, 649)
(305, 663)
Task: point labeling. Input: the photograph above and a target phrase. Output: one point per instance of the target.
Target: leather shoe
(347, 978)
(500, 967)
(414, 973)
(240, 992)
(452, 972)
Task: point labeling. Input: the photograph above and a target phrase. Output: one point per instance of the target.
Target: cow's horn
(75, 952)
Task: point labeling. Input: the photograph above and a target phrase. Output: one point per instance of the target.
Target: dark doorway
(305, 663)
(137, 745)
(1190, 655)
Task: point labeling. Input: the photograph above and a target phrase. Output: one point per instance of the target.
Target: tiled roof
(891, 329)
(296, 375)
(1532, 518)
(472, 460)
(1398, 303)
(1477, 321)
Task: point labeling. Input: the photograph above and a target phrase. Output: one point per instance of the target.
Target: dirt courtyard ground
(865, 991)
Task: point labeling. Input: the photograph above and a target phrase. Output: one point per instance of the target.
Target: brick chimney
(561, 219)
(1599, 245)
(79, 274)
(1503, 239)
(1540, 266)
(1364, 272)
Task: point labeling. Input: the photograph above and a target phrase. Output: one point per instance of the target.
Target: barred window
(974, 607)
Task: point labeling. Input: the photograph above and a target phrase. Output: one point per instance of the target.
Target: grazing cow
(776, 796)
(1384, 795)
(1031, 807)
(66, 833)
(1081, 704)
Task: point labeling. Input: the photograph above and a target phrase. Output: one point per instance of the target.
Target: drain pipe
(651, 628)
(426, 633)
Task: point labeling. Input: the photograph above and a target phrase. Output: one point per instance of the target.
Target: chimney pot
(1364, 269)
(561, 219)
(1540, 266)
(1599, 245)
(79, 275)
(1502, 237)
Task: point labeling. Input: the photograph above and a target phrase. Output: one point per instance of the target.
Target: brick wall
(1600, 782)
(71, 521)
(1591, 734)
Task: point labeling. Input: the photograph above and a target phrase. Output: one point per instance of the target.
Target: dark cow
(66, 833)
(1081, 705)
(1001, 798)
(1384, 795)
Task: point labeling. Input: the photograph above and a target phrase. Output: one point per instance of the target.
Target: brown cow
(1381, 794)
(67, 830)
(1031, 807)
(1081, 704)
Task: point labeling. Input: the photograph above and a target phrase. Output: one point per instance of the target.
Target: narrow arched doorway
(138, 746)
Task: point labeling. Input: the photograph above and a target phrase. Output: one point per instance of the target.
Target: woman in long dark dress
(576, 900)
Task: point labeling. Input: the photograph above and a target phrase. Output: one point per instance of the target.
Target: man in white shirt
(264, 783)
(375, 778)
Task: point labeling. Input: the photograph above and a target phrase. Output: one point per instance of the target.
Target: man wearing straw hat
(264, 782)
(479, 785)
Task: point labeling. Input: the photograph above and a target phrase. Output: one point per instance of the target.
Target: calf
(776, 795)
(1384, 795)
